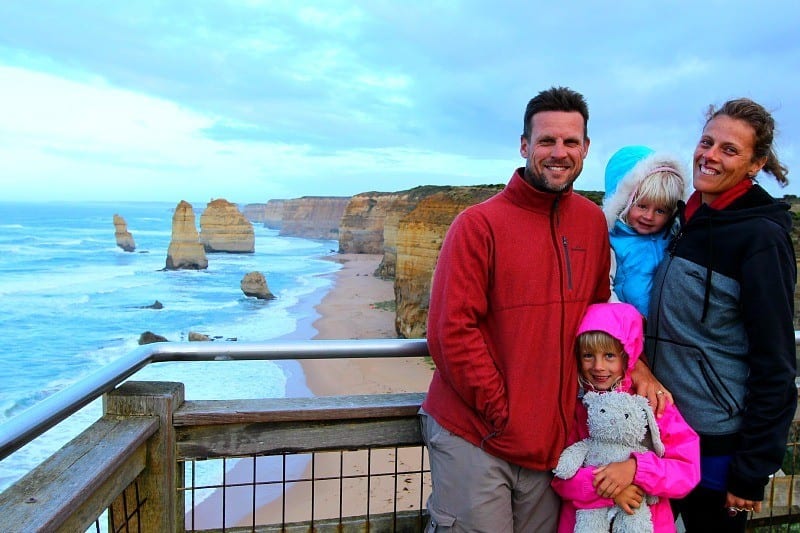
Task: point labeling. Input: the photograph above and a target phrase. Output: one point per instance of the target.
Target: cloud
(251, 98)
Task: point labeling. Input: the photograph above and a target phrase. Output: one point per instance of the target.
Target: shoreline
(346, 311)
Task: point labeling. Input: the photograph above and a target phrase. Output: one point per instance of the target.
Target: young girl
(608, 344)
(641, 198)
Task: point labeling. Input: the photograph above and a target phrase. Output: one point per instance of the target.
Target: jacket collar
(522, 194)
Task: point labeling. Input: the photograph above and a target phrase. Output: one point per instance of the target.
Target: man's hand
(630, 498)
(611, 479)
(644, 383)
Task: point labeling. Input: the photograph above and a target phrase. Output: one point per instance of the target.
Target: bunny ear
(590, 397)
(655, 433)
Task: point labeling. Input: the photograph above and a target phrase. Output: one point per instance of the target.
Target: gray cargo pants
(477, 492)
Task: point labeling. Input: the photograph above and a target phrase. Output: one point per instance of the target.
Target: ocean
(74, 301)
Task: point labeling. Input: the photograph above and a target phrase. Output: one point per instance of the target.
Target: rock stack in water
(223, 228)
(255, 284)
(123, 236)
(185, 250)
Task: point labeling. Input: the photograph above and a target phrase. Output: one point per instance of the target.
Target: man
(512, 281)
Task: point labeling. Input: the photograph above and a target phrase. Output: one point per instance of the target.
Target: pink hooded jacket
(670, 476)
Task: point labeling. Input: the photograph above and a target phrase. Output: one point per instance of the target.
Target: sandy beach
(355, 308)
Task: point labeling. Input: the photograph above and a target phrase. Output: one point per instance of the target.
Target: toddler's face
(602, 369)
(646, 218)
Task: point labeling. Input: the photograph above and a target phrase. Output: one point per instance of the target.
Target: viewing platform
(336, 463)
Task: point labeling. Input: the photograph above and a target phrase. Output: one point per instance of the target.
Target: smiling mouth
(708, 171)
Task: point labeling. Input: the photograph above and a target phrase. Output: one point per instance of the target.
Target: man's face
(555, 151)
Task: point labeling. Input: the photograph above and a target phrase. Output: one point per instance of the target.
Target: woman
(720, 331)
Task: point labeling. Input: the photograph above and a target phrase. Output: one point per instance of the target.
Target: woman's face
(724, 156)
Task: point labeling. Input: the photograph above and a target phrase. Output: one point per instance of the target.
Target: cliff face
(419, 238)
(185, 250)
(122, 235)
(223, 228)
(270, 214)
(361, 227)
(402, 205)
(313, 217)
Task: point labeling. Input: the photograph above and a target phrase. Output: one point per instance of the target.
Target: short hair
(763, 125)
(598, 341)
(556, 99)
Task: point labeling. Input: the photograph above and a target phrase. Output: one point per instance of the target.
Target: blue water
(73, 301)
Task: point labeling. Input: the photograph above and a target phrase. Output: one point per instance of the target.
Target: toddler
(640, 203)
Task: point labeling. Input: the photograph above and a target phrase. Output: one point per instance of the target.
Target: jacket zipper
(567, 261)
(554, 239)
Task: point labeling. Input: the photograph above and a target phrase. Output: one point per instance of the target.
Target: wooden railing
(132, 470)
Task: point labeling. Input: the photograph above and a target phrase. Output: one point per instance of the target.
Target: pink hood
(623, 322)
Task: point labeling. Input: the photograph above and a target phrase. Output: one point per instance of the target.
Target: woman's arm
(678, 471)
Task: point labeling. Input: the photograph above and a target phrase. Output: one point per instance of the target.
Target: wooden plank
(212, 412)
(45, 498)
(205, 442)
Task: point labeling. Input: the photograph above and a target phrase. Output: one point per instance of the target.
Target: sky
(252, 100)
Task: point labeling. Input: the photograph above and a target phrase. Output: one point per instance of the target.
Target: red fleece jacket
(513, 279)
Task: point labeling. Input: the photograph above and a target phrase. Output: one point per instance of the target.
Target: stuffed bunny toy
(618, 425)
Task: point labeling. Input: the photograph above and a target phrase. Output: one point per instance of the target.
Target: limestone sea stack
(255, 284)
(185, 250)
(123, 236)
(223, 228)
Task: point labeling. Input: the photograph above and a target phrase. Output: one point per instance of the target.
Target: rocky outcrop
(269, 214)
(255, 284)
(185, 250)
(194, 336)
(148, 337)
(223, 228)
(419, 239)
(122, 235)
(313, 217)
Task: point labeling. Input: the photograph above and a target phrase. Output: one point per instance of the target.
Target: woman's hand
(735, 504)
(630, 498)
(644, 383)
(611, 479)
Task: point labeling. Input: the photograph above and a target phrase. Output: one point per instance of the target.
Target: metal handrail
(40, 417)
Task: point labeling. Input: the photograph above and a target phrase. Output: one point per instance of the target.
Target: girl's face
(646, 217)
(602, 369)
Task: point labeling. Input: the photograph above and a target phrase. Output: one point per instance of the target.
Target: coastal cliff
(223, 228)
(369, 224)
(419, 238)
(362, 224)
(270, 214)
(313, 217)
(185, 250)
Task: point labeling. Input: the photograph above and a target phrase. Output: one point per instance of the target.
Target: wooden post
(163, 508)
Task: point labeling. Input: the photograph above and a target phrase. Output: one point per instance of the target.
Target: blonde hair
(598, 341)
(663, 187)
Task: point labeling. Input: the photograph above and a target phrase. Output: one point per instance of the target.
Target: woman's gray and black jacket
(720, 333)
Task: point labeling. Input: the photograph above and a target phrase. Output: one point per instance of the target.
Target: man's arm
(458, 305)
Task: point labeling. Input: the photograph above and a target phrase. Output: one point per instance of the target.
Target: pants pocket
(439, 521)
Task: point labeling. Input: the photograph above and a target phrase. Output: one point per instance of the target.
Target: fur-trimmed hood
(625, 171)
